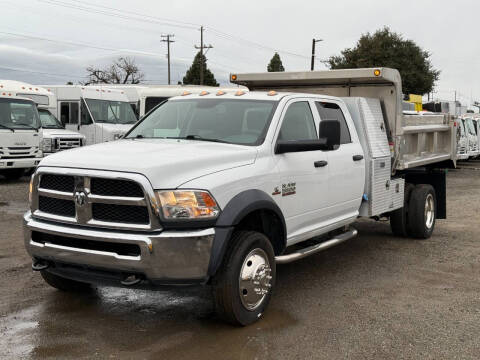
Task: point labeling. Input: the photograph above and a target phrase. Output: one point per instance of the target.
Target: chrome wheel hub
(254, 280)
(429, 211)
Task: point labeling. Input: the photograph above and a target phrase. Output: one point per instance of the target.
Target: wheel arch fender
(238, 209)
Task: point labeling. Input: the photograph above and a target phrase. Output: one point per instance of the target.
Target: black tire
(226, 283)
(399, 217)
(65, 284)
(13, 174)
(419, 225)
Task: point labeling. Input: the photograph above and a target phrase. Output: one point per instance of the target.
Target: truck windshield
(232, 121)
(112, 112)
(48, 120)
(470, 127)
(18, 114)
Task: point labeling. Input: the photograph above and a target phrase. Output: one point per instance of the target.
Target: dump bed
(416, 140)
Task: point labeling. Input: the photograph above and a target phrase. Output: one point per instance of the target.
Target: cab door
(87, 126)
(303, 176)
(346, 164)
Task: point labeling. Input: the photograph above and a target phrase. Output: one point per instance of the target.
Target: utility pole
(313, 53)
(201, 47)
(166, 38)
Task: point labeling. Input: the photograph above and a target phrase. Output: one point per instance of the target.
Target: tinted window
(331, 111)
(152, 101)
(298, 123)
(69, 112)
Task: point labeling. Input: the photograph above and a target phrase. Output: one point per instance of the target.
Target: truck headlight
(187, 204)
(47, 145)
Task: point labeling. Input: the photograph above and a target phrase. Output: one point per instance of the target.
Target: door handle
(320, 163)
(357, 157)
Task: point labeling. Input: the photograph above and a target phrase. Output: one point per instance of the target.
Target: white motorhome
(55, 136)
(145, 97)
(20, 135)
(99, 113)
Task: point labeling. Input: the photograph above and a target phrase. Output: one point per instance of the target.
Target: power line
(40, 72)
(168, 22)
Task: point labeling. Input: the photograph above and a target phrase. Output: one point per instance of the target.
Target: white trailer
(99, 113)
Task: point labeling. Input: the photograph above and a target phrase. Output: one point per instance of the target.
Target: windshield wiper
(199, 138)
(7, 127)
(28, 127)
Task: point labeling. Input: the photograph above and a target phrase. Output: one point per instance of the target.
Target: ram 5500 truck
(218, 188)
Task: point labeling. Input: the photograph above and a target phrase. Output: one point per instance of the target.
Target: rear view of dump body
(415, 140)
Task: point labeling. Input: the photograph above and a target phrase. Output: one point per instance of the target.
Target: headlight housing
(187, 204)
(47, 145)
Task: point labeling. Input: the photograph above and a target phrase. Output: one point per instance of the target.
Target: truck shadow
(181, 324)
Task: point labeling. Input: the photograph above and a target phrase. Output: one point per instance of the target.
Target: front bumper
(166, 257)
(19, 163)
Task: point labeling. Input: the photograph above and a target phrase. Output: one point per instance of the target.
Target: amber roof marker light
(233, 77)
(377, 72)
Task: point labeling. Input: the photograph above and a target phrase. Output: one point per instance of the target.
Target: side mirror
(288, 146)
(330, 133)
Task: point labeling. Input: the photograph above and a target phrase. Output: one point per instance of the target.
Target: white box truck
(54, 135)
(20, 135)
(219, 188)
(99, 113)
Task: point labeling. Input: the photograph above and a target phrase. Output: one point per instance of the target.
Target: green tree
(389, 49)
(275, 64)
(192, 77)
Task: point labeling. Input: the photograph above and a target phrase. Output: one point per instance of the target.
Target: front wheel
(244, 283)
(422, 211)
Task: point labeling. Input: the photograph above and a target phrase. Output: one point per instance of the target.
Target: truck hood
(61, 133)
(167, 163)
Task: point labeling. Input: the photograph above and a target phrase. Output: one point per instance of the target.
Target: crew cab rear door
(346, 163)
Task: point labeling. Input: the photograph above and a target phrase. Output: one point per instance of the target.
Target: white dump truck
(20, 135)
(219, 188)
(98, 113)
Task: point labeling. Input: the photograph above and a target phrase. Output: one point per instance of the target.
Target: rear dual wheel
(417, 217)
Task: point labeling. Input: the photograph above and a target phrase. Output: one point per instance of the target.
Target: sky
(53, 41)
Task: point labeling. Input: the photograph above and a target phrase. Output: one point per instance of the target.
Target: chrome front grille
(14, 152)
(69, 143)
(95, 198)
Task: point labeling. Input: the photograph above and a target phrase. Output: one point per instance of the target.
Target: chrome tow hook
(131, 280)
(39, 265)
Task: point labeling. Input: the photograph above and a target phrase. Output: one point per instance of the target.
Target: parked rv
(99, 113)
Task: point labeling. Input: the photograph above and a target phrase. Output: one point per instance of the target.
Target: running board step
(284, 259)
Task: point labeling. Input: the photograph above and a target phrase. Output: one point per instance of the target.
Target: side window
(85, 115)
(331, 111)
(74, 113)
(65, 113)
(298, 123)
